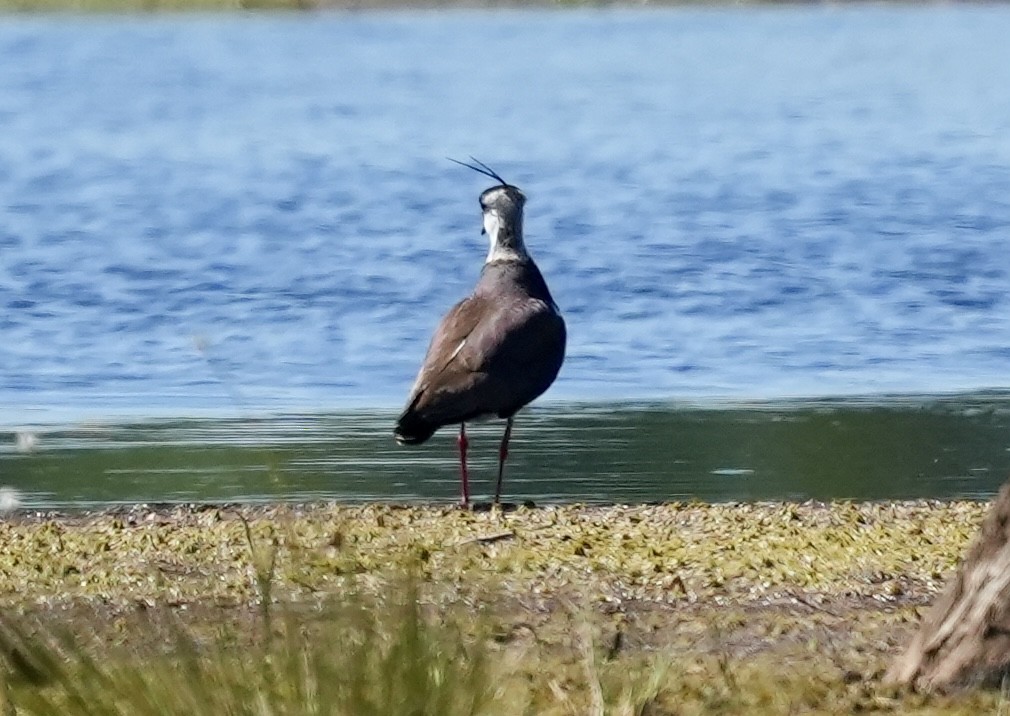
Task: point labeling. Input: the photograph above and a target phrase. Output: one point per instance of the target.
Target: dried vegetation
(767, 608)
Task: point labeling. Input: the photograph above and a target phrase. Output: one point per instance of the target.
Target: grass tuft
(761, 610)
(357, 657)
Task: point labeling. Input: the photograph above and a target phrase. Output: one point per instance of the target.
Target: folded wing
(484, 359)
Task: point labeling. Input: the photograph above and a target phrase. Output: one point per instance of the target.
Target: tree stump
(964, 639)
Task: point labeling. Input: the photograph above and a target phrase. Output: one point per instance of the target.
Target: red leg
(463, 477)
(503, 452)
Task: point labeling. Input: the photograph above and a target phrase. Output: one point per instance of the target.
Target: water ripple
(272, 224)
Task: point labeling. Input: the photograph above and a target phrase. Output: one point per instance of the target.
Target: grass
(351, 661)
(675, 609)
(362, 657)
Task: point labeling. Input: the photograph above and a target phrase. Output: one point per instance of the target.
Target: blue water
(221, 212)
(240, 218)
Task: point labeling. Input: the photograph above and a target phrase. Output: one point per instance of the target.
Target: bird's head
(503, 210)
(502, 206)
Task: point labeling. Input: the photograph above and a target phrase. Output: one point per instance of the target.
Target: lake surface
(225, 240)
(904, 448)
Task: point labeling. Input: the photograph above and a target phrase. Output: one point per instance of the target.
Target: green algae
(663, 609)
(663, 553)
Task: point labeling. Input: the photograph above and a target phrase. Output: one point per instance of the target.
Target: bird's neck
(506, 239)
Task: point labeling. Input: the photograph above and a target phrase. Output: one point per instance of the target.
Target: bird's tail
(412, 429)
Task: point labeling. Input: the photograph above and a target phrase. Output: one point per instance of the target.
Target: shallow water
(904, 448)
(252, 216)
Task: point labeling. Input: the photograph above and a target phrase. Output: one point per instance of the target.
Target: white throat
(504, 246)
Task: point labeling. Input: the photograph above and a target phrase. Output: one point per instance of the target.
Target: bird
(495, 351)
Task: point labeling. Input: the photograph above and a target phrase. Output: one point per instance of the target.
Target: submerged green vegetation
(765, 608)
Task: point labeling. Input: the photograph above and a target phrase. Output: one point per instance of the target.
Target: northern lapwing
(497, 349)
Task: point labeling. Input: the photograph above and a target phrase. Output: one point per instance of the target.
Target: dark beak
(483, 231)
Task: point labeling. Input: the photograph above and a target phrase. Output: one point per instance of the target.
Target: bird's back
(494, 352)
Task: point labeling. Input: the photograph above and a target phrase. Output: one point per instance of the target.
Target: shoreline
(663, 553)
(761, 606)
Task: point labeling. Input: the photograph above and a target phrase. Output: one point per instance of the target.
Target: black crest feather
(481, 168)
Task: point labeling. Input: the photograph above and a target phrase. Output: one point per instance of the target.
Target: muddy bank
(754, 607)
(673, 554)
